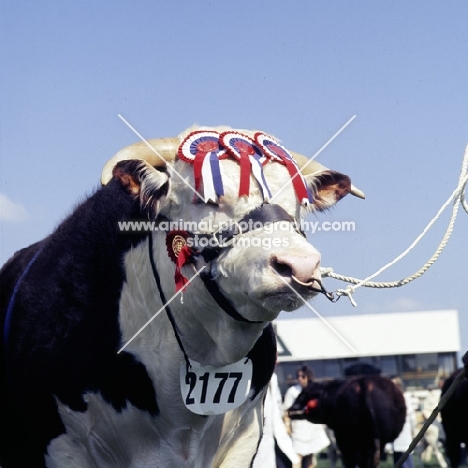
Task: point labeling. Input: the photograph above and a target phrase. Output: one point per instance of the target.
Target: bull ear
(142, 181)
(328, 187)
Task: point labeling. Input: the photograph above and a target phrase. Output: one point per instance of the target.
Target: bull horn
(357, 192)
(156, 152)
(314, 166)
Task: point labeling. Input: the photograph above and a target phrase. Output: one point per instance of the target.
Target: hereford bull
(102, 363)
(365, 413)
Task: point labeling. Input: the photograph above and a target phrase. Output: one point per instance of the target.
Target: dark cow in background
(455, 419)
(365, 413)
(97, 369)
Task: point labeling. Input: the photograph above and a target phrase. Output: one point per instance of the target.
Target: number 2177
(191, 380)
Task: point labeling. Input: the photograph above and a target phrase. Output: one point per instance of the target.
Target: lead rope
(458, 195)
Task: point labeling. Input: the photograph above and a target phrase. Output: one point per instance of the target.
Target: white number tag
(211, 390)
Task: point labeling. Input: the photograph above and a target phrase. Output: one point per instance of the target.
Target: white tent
(368, 335)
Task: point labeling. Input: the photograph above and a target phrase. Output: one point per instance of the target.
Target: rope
(430, 420)
(458, 196)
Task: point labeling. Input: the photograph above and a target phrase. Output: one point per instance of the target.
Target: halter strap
(164, 301)
(213, 288)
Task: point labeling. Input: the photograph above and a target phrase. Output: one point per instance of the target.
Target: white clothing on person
(307, 437)
(273, 430)
(404, 439)
(431, 437)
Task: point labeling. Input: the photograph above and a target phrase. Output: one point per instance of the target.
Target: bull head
(253, 279)
(308, 406)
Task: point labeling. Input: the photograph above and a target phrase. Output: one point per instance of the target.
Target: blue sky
(297, 69)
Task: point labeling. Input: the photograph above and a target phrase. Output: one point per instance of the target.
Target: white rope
(458, 196)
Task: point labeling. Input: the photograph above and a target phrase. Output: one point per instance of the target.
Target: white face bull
(251, 273)
(216, 327)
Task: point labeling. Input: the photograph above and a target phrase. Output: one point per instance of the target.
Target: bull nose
(304, 266)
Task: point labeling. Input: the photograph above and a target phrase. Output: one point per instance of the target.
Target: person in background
(431, 437)
(308, 438)
(404, 439)
(275, 449)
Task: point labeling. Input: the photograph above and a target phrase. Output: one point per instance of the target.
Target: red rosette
(238, 144)
(200, 141)
(250, 157)
(271, 147)
(241, 148)
(199, 145)
(279, 153)
(175, 242)
(180, 253)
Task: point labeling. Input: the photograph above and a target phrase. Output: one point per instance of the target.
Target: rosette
(251, 159)
(201, 148)
(180, 253)
(279, 153)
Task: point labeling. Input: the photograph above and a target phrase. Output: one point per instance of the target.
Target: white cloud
(11, 211)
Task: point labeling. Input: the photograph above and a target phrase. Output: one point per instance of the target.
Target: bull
(365, 413)
(153, 347)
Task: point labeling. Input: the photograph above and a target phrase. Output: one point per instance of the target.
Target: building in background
(420, 347)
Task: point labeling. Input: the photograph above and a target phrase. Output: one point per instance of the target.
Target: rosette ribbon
(251, 159)
(271, 148)
(180, 253)
(201, 148)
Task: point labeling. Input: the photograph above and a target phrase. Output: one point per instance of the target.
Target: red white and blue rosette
(202, 149)
(251, 159)
(272, 149)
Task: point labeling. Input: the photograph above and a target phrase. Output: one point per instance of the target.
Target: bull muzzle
(302, 269)
(303, 272)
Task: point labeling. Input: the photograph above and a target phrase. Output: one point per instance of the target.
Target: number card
(209, 390)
